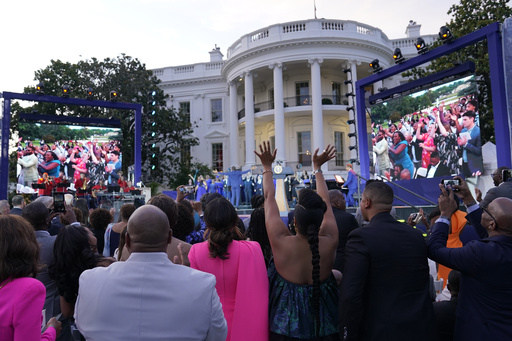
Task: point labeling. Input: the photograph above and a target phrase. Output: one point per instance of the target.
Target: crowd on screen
(443, 140)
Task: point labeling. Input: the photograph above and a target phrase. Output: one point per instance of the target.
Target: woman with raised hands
(303, 290)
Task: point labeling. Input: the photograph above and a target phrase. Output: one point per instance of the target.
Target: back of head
(167, 205)
(257, 230)
(309, 211)
(221, 219)
(380, 193)
(257, 201)
(81, 204)
(186, 223)
(73, 255)
(126, 211)
(100, 218)
(454, 282)
(17, 200)
(207, 197)
(19, 251)
(37, 214)
(148, 230)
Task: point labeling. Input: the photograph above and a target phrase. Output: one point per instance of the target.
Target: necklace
(6, 282)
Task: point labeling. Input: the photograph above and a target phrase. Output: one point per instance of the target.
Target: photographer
(484, 265)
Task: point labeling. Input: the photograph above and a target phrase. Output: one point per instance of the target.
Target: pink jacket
(242, 285)
(21, 304)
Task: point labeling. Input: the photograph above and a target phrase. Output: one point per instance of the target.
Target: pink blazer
(21, 304)
(242, 285)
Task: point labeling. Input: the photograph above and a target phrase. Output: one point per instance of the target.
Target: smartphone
(449, 183)
(58, 202)
(506, 175)
(187, 189)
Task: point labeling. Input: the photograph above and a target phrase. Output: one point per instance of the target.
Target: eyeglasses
(490, 215)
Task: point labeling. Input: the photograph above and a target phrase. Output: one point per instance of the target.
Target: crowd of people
(179, 269)
(441, 141)
(83, 164)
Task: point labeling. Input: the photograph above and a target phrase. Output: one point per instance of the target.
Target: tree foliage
(469, 16)
(134, 84)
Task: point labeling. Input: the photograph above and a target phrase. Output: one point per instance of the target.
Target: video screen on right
(431, 133)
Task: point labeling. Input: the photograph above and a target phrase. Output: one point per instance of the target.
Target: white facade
(283, 83)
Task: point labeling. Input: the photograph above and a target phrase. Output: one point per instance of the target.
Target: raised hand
(328, 154)
(265, 155)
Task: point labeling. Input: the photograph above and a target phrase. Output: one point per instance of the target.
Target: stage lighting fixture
(350, 108)
(445, 34)
(347, 82)
(348, 94)
(351, 122)
(153, 145)
(347, 70)
(375, 66)
(113, 96)
(90, 93)
(352, 147)
(420, 46)
(40, 88)
(397, 56)
(153, 134)
(65, 90)
(352, 135)
(354, 161)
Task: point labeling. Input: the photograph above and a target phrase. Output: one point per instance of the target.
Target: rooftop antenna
(314, 5)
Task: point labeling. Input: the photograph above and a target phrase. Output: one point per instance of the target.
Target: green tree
(469, 16)
(134, 84)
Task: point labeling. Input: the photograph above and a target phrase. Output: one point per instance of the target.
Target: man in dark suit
(346, 223)
(437, 168)
(502, 189)
(17, 204)
(445, 310)
(485, 300)
(385, 284)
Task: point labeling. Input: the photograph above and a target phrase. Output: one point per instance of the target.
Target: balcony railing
(296, 101)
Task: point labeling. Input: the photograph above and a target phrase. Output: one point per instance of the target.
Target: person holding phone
(503, 189)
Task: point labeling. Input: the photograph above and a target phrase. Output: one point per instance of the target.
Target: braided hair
(309, 214)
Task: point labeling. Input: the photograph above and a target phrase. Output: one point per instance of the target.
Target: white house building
(284, 83)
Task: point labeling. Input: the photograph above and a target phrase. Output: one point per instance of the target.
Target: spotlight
(350, 108)
(352, 135)
(352, 147)
(347, 70)
(90, 93)
(420, 46)
(351, 122)
(65, 90)
(375, 65)
(348, 94)
(113, 96)
(354, 161)
(398, 57)
(347, 82)
(445, 34)
(40, 88)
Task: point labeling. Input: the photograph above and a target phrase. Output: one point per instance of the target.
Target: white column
(279, 111)
(249, 121)
(316, 94)
(233, 125)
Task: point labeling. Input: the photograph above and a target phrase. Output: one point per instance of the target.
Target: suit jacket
(29, 164)
(485, 298)
(503, 190)
(441, 170)
(16, 211)
(385, 284)
(346, 223)
(474, 150)
(52, 301)
(147, 297)
(445, 318)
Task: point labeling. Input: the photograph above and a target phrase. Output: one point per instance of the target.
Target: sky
(163, 33)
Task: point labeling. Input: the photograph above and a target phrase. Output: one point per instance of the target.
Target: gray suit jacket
(52, 301)
(503, 190)
(147, 297)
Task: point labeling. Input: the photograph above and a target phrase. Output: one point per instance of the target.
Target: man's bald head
(501, 210)
(148, 230)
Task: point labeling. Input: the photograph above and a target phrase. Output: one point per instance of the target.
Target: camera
(449, 183)
(58, 202)
(506, 175)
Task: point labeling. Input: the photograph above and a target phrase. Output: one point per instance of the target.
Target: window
(338, 144)
(217, 157)
(304, 147)
(336, 93)
(216, 110)
(271, 98)
(185, 110)
(302, 93)
(272, 142)
(185, 155)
